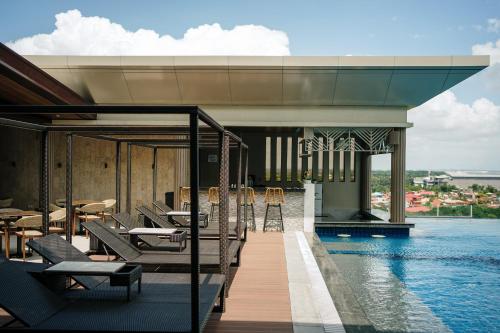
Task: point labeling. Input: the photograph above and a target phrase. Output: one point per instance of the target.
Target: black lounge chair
(180, 221)
(163, 261)
(163, 306)
(55, 249)
(212, 231)
(128, 222)
(162, 221)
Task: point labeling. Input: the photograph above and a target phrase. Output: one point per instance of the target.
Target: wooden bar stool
(250, 202)
(185, 197)
(274, 197)
(213, 199)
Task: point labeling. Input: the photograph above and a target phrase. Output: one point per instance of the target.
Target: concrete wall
(343, 199)
(93, 169)
(19, 166)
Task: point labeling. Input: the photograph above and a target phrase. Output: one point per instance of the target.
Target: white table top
(85, 267)
(152, 231)
(180, 213)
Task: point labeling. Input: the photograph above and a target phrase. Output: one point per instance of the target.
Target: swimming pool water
(445, 276)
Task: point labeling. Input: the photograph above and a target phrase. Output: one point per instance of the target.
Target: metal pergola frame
(155, 144)
(9, 113)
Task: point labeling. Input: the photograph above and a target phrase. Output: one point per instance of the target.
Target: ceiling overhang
(388, 81)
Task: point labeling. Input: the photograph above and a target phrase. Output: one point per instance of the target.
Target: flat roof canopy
(403, 82)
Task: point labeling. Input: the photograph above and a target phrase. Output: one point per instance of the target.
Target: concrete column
(398, 167)
(309, 207)
(366, 182)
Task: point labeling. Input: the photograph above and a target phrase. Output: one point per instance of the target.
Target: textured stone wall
(19, 166)
(94, 171)
(293, 209)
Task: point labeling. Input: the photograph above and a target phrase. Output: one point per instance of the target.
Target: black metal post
(129, 178)
(69, 188)
(245, 214)
(155, 171)
(238, 193)
(195, 250)
(118, 175)
(45, 182)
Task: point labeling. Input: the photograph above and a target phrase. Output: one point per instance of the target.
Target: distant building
(431, 180)
(465, 179)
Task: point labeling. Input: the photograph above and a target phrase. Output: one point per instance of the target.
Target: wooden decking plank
(259, 300)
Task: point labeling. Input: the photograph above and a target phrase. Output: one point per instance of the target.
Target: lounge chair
(163, 306)
(153, 242)
(177, 220)
(212, 231)
(163, 261)
(55, 249)
(162, 221)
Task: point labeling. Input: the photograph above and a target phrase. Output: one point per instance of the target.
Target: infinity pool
(445, 277)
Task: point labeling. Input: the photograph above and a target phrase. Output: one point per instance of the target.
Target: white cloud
(450, 134)
(489, 48)
(493, 25)
(80, 35)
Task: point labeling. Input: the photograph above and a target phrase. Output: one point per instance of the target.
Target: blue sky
(424, 27)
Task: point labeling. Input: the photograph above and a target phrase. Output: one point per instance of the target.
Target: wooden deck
(258, 300)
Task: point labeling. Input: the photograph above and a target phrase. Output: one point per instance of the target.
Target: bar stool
(185, 197)
(250, 202)
(213, 199)
(274, 197)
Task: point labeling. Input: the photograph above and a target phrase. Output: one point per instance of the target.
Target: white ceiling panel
(413, 87)
(70, 80)
(256, 87)
(308, 87)
(204, 86)
(455, 76)
(361, 87)
(106, 86)
(153, 87)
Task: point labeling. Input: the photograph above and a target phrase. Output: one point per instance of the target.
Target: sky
(457, 130)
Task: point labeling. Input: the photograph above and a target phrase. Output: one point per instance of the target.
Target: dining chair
(57, 221)
(61, 202)
(274, 197)
(7, 230)
(109, 207)
(53, 207)
(213, 199)
(30, 228)
(1, 236)
(185, 197)
(90, 212)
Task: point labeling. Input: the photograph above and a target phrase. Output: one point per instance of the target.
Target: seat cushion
(56, 229)
(90, 217)
(29, 233)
